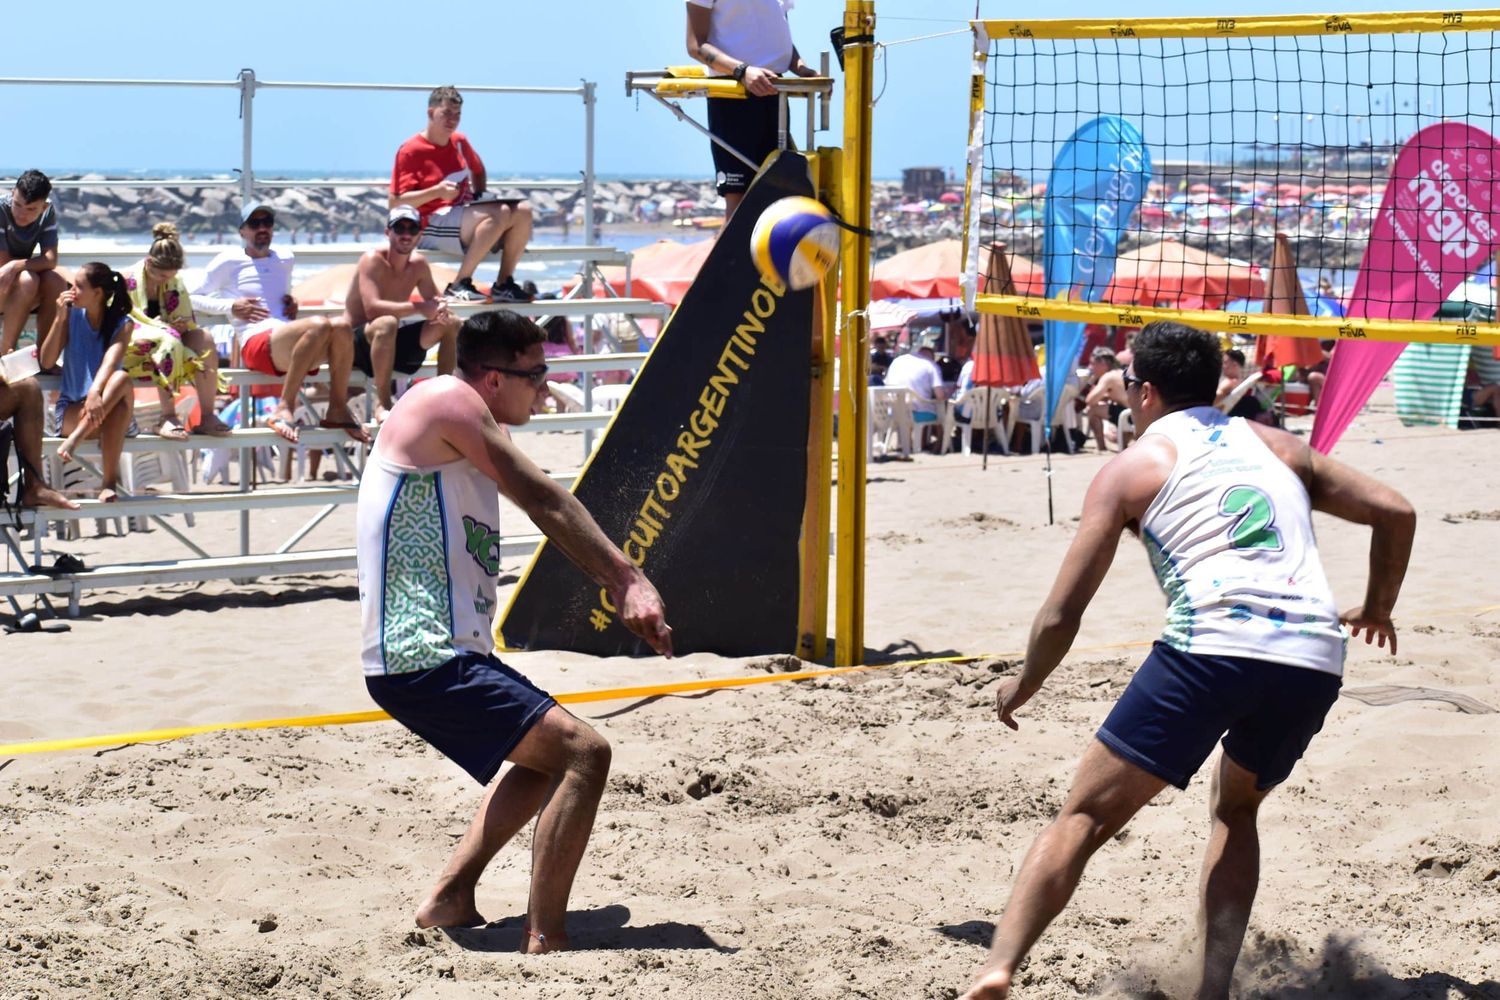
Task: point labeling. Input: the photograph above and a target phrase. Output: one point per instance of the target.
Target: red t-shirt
(420, 164)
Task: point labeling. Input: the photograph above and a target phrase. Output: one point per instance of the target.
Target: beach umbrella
(932, 272)
(951, 198)
(661, 271)
(1003, 356)
(889, 314)
(1284, 297)
(1183, 276)
(330, 285)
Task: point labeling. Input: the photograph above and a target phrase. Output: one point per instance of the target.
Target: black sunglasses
(536, 376)
(406, 228)
(1130, 380)
(261, 222)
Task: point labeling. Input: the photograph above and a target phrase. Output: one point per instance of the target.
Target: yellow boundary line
(568, 698)
(1323, 328)
(1247, 27)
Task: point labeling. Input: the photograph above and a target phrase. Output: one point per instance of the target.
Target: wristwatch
(739, 72)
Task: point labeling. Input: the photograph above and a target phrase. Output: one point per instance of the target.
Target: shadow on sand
(601, 929)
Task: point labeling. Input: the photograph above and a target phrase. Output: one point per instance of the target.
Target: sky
(920, 115)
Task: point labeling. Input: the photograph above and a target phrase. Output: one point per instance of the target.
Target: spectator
(1249, 406)
(918, 371)
(168, 346)
(92, 324)
(29, 280)
(21, 403)
(561, 342)
(1484, 374)
(253, 287)
(438, 173)
(751, 41)
(1106, 400)
(391, 332)
(880, 359)
(1318, 373)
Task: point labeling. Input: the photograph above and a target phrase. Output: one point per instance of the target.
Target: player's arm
(46, 260)
(475, 435)
(478, 179)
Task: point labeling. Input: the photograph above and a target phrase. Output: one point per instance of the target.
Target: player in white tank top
(1251, 652)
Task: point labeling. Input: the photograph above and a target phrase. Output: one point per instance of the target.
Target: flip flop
(352, 428)
(169, 430)
(284, 428)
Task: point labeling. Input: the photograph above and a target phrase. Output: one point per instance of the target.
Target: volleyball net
(1312, 176)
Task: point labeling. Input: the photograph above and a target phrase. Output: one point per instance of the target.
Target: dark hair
(1327, 345)
(33, 185)
(494, 337)
(1236, 355)
(116, 295)
(557, 330)
(444, 95)
(1182, 362)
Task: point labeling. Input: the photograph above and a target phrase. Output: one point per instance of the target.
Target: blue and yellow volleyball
(795, 242)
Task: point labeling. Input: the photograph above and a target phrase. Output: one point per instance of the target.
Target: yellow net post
(854, 207)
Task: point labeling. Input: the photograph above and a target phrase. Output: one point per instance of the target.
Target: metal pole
(247, 134)
(854, 202)
(586, 286)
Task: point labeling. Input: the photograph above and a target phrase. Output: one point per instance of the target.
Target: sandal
(286, 429)
(171, 430)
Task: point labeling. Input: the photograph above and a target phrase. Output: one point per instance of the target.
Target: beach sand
(849, 837)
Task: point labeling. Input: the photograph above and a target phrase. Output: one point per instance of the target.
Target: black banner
(702, 477)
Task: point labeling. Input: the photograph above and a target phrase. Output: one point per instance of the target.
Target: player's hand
(1377, 628)
(1011, 695)
(66, 296)
(93, 408)
(759, 81)
(289, 306)
(428, 308)
(641, 611)
(249, 309)
(447, 190)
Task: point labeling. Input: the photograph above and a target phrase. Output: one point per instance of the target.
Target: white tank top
(428, 549)
(1230, 537)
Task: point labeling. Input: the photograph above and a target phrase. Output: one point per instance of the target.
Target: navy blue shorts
(473, 709)
(1179, 704)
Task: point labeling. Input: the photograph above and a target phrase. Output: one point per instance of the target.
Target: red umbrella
(951, 198)
(661, 271)
(932, 272)
(1175, 274)
(1002, 352)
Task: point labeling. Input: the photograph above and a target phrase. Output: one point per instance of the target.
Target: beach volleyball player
(1252, 652)
(428, 535)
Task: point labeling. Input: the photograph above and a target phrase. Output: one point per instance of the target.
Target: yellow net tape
(1263, 324)
(1246, 27)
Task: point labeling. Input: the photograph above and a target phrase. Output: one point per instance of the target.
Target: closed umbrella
(1003, 357)
(1284, 297)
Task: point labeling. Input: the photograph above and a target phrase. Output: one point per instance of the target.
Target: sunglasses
(1131, 381)
(261, 222)
(536, 376)
(406, 228)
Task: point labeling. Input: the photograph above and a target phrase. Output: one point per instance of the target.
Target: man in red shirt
(438, 173)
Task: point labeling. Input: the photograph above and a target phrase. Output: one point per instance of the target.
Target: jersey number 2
(1253, 518)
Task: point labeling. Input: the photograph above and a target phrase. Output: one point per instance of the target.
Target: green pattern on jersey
(416, 631)
(1178, 631)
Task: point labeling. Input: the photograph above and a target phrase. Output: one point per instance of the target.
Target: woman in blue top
(93, 327)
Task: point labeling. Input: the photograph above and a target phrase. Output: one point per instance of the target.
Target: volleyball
(795, 242)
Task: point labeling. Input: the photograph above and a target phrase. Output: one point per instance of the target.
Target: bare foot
(989, 986)
(214, 427)
(381, 412)
(108, 495)
(342, 419)
(533, 943)
(442, 911)
(65, 450)
(37, 495)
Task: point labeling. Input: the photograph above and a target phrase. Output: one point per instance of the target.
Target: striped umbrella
(1002, 354)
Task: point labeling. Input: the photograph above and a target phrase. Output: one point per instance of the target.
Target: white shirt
(234, 274)
(753, 31)
(914, 372)
(1231, 539)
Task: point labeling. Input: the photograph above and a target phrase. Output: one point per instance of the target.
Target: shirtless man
(1257, 661)
(391, 332)
(1106, 400)
(22, 404)
(427, 530)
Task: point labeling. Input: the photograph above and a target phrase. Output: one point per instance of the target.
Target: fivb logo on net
(1121, 189)
(1462, 228)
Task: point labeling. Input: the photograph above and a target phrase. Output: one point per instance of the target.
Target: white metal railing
(248, 84)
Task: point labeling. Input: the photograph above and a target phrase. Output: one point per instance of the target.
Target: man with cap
(438, 173)
(252, 286)
(393, 332)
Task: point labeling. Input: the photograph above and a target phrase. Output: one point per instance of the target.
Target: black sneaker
(508, 291)
(463, 290)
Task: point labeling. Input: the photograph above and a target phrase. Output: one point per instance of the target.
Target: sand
(853, 837)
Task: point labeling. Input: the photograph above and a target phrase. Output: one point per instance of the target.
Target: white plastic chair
(569, 398)
(890, 420)
(985, 406)
(1123, 426)
(610, 397)
(1063, 415)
